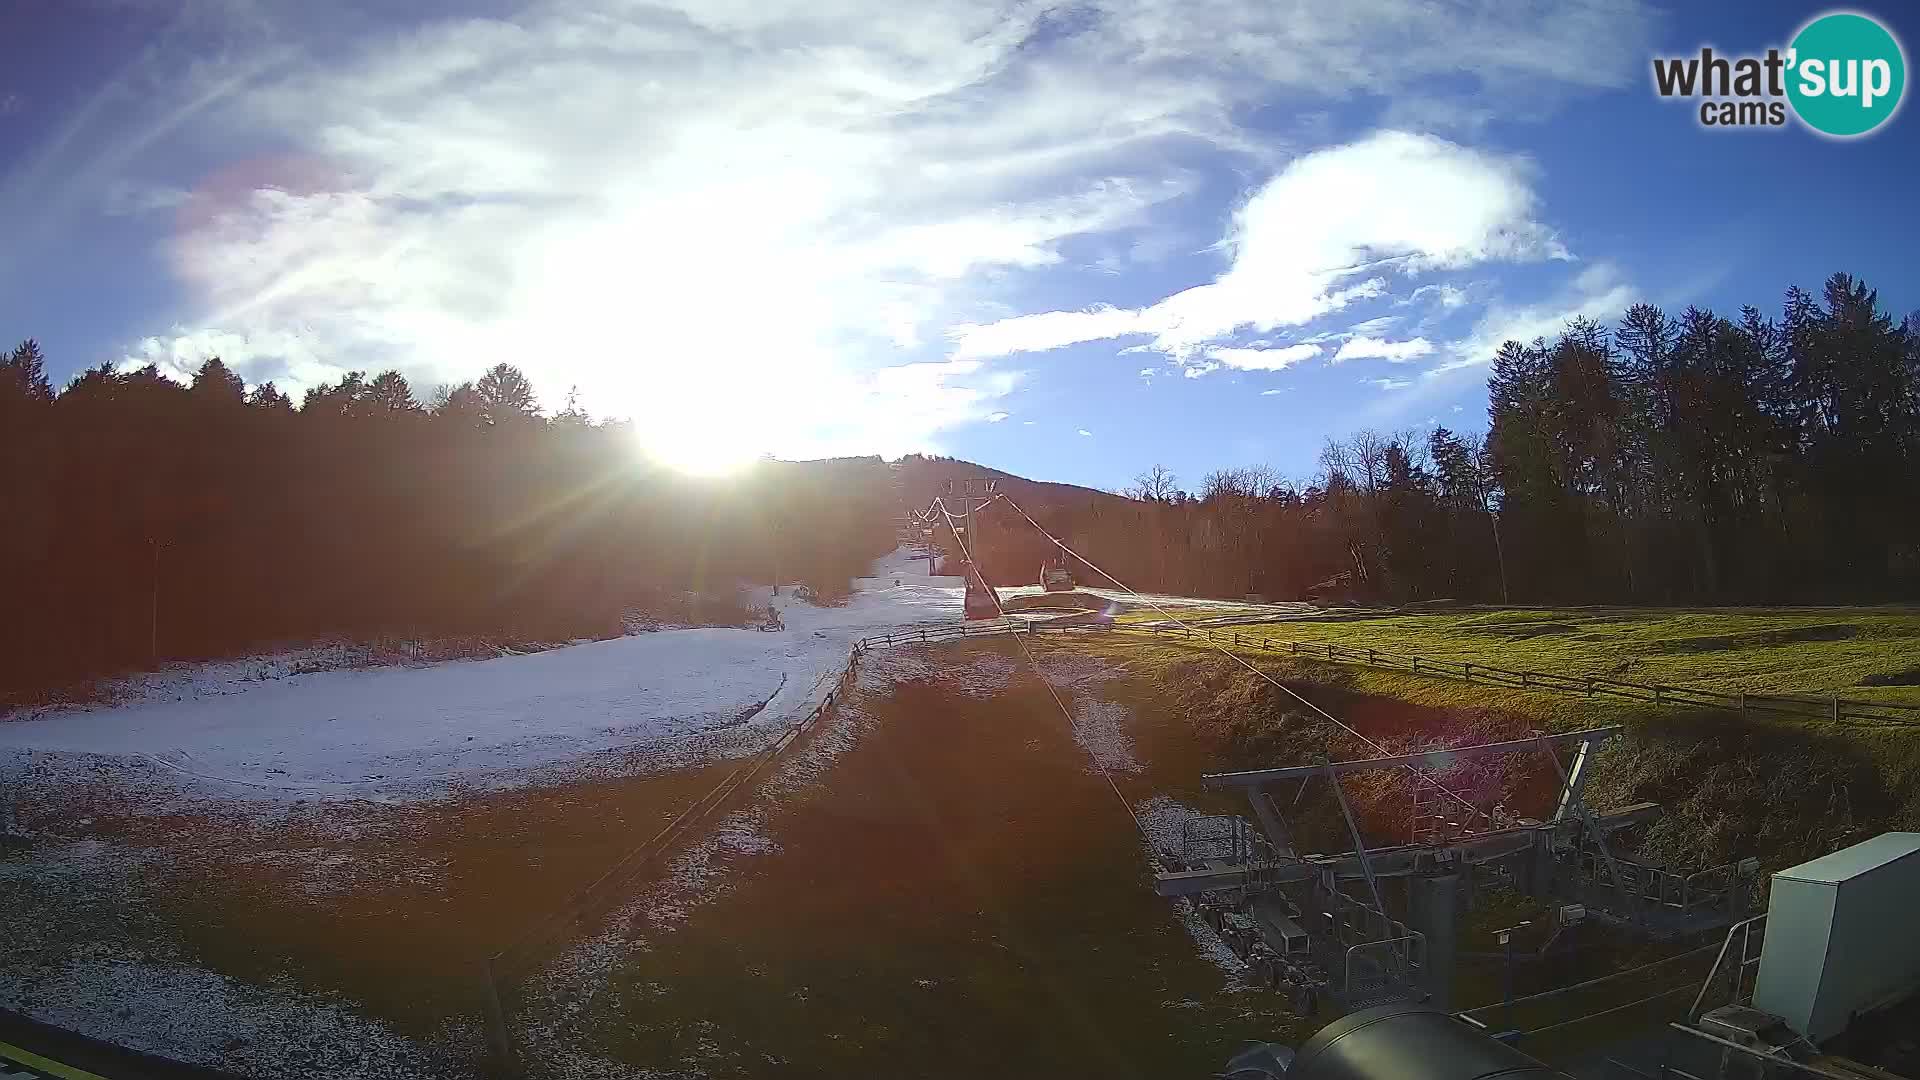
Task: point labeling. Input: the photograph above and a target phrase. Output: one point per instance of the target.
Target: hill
(923, 477)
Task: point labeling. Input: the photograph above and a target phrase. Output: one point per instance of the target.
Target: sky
(1067, 240)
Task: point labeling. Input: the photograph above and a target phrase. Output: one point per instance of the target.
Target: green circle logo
(1845, 74)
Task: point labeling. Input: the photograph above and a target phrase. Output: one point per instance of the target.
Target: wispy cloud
(1272, 392)
(1377, 325)
(778, 213)
(1390, 384)
(1394, 352)
(1084, 433)
(1446, 296)
(996, 417)
(1599, 292)
(1269, 359)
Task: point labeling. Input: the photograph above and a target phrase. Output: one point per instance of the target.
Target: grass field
(1865, 653)
(1784, 788)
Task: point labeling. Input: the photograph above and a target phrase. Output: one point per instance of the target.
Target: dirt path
(951, 892)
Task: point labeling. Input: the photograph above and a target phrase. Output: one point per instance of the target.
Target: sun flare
(698, 453)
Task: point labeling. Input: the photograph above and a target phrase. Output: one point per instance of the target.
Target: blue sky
(1069, 242)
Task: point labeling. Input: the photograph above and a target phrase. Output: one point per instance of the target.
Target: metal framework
(1254, 880)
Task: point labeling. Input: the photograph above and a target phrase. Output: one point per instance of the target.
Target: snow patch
(245, 732)
(1100, 727)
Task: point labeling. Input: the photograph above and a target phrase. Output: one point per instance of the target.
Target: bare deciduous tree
(1157, 484)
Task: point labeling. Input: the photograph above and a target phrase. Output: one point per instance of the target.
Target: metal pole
(1506, 943)
(153, 611)
(1366, 863)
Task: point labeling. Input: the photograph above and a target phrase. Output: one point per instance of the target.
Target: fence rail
(1811, 706)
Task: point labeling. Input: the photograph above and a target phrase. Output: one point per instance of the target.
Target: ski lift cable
(1065, 713)
(1238, 659)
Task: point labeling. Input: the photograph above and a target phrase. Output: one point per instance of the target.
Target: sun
(698, 453)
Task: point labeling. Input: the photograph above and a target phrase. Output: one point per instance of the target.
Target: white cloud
(741, 211)
(1394, 352)
(1372, 326)
(1390, 384)
(1194, 371)
(756, 211)
(1270, 393)
(1274, 359)
(1045, 331)
(1447, 296)
(1394, 199)
(996, 417)
(1084, 432)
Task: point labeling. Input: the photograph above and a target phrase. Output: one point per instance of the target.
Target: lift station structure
(1376, 924)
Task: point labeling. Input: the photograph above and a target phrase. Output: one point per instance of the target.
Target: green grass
(1784, 788)
(1853, 652)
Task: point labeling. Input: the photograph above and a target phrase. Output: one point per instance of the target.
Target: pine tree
(23, 375)
(505, 395)
(389, 395)
(216, 383)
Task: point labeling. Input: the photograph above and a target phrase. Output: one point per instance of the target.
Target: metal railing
(1760, 1064)
(1711, 887)
(1398, 964)
(1743, 961)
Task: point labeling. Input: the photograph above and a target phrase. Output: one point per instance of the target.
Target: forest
(1691, 460)
(1696, 459)
(147, 521)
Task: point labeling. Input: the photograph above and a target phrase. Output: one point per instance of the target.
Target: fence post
(1659, 697)
(1369, 655)
(499, 1041)
(1526, 678)
(1466, 671)
(1296, 647)
(1415, 665)
(1743, 703)
(1590, 691)
(1836, 708)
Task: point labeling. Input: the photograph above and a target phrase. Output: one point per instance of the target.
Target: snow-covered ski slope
(395, 733)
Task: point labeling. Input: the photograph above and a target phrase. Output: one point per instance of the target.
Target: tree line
(1698, 459)
(1692, 460)
(143, 520)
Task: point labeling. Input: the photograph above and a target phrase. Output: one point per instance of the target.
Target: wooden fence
(1812, 706)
